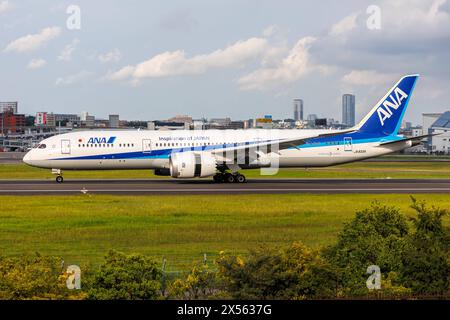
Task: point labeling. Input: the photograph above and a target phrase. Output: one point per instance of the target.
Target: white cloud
(269, 31)
(66, 53)
(33, 41)
(122, 74)
(291, 68)
(367, 78)
(112, 56)
(345, 25)
(36, 64)
(74, 79)
(5, 6)
(172, 63)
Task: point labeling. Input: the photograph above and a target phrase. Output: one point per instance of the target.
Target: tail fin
(386, 117)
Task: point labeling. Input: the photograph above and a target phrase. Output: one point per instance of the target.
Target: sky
(243, 59)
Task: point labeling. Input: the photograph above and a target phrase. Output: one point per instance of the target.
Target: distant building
(84, 115)
(44, 119)
(348, 109)
(219, 122)
(11, 123)
(322, 122)
(298, 109)
(416, 131)
(40, 119)
(151, 125)
(90, 121)
(427, 121)
(264, 123)
(181, 118)
(114, 121)
(440, 144)
(11, 107)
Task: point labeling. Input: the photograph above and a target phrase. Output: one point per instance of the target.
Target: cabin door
(146, 145)
(65, 146)
(348, 144)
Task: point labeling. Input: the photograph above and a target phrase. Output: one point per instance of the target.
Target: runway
(255, 186)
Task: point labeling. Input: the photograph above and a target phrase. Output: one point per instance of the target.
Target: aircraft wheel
(59, 179)
(240, 178)
(229, 178)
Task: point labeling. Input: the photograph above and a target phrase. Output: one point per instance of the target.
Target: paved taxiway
(254, 186)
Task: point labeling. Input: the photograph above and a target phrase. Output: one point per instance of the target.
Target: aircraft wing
(279, 144)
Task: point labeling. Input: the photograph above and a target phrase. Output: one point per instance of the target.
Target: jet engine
(191, 165)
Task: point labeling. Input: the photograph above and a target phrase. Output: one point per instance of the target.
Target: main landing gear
(225, 177)
(59, 177)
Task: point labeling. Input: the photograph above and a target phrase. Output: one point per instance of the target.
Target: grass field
(181, 228)
(363, 170)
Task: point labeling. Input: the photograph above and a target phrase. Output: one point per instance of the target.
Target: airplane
(221, 154)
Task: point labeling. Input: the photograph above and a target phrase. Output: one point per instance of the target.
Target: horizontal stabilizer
(417, 139)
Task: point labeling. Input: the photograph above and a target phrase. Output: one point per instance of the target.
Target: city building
(348, 109)
(11, 107)
(180, 118)
(166, 125)
(114, 121)
(440, 144)
(40, 119)
(219, 122)
(264, 123)
(44, 119)
(298, 109)
(427, 121)
(416, 131)
(11, 123)
(90, 121)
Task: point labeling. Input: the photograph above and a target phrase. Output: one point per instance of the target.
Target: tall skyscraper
(114, 121)
(298, 109)
(348, 109)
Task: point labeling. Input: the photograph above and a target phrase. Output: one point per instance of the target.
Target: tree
(297, 272)
(126, 277)
(425, 262)
(34, 277)
(201, 282)
(376, 236)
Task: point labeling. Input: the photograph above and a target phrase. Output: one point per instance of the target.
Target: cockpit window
(42, 146)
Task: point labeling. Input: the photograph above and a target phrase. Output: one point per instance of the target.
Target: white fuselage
(144, 149)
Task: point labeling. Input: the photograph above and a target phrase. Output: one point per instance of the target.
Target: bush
(293, 273)
(131, 277)
(376, 236)
(425, 262)
(202, 282)
(34, 277)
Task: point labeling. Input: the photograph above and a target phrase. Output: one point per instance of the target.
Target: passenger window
(42, 146)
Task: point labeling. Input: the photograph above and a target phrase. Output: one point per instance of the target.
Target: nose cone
(28, 158)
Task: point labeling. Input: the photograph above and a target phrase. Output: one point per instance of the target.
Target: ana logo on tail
(386, 110)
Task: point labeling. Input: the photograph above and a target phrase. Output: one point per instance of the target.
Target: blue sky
(154, 59)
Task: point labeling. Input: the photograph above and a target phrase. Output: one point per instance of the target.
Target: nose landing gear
(59, 177)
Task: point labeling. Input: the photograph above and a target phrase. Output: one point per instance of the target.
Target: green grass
(363, 170)
(181, 228)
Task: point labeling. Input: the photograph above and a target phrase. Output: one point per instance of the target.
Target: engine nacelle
(191, 165)
(162, 172)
